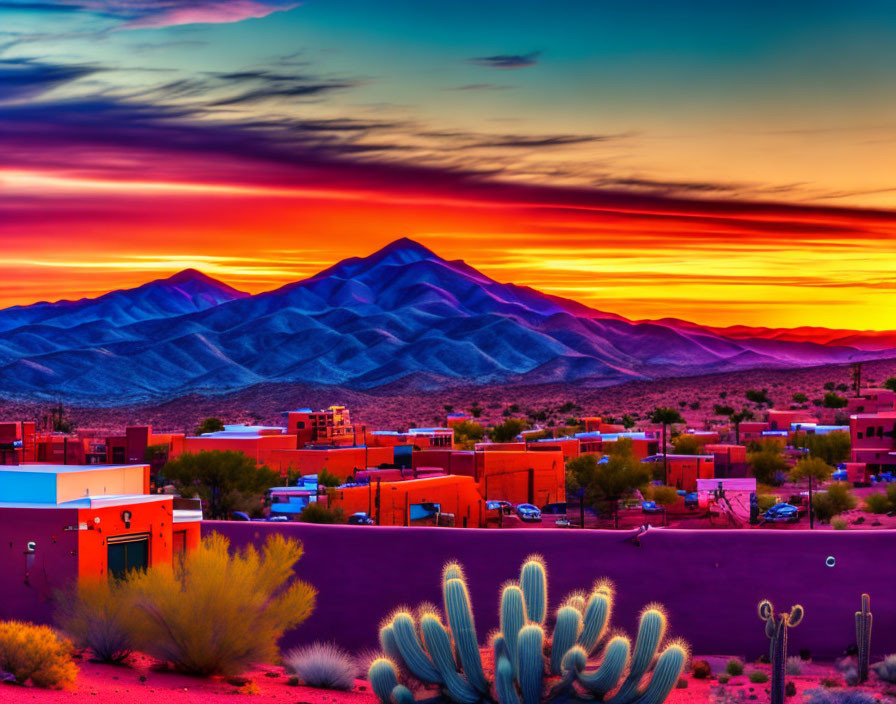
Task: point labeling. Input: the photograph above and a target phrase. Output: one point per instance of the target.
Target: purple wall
(710, 581)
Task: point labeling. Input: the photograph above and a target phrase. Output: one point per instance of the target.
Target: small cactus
(449, 655)
(863, 637)
(776, 629)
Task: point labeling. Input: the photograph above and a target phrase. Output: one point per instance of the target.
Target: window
(179, 542)
(126, 553)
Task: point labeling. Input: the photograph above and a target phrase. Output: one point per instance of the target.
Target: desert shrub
(687, 445)
(838, 523)
(833, 400)
(723, 678)
(758, 677)
(701, 670)
(663, 495)
(840, 696)
(327, 478)
(317, 512)
(322, 665)
(790, 689)
(98, 614)
(830, 682)
(886, 669)
(36, 653)
(734, 667)
(837, 499)
(794, 665)
(766, 501)
(217, 612)
(800, 397)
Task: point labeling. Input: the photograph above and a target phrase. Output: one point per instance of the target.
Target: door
(127, 552)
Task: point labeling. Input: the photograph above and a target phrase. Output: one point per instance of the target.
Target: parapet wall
(710, 581)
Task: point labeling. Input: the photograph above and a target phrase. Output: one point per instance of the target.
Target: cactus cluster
(447, 655)
(863, 637)
(776, 628)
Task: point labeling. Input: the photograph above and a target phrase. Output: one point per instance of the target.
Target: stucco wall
(711, 581)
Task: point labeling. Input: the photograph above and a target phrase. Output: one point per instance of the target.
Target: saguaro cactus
(449, 658)
(776, 628)
(863, 636)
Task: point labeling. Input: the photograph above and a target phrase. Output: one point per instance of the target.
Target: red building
(332, 426)
(873, 438)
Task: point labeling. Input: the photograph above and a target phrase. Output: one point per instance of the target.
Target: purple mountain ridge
(402, 314)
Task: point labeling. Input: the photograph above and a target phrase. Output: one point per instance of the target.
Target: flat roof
(65, 468)
(92, 501)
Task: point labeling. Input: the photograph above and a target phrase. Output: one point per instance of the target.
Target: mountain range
(402, 316)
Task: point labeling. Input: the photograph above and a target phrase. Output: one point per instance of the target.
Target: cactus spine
(776, 629)
(446, 653)
(534, 583)
(863, 637)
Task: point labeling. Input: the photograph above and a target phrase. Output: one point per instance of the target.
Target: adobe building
(64, 522)
(872, 401)
(343, 462)
(16, 442)
(685, 470)
(256, 441)
(331, 426)
(873, 437)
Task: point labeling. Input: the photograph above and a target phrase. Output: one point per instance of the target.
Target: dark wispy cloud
(482, 86)
(507, 61)
(24, 79)
(163, 13)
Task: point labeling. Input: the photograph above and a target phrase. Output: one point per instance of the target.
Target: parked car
(650, 507)
(691, 500)
(782, 513)
(528, 513)
(360, 519)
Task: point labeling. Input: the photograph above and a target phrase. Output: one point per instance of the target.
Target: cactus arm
(439, 646)
(594, 622)
(613, 664)
(383, 679)
(460, 618)
(665, 675)
(412, 652)
(388, 644)
(531, 663)
(533, 582)
(795, 617)
(504, 687)
(651, 630)
(566, 630)
(512, 620)
(402, 695)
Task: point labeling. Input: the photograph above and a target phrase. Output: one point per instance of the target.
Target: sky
(726, 163)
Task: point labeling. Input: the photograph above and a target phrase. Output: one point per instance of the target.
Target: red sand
(110, 684)
(107, 684)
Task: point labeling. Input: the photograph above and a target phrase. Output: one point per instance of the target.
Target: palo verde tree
(813, 469)
(604, 484)
(225, 480)
(210, 425)
(666, 417)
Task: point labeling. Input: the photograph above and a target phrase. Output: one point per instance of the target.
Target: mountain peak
(406, 251)
(187, 276)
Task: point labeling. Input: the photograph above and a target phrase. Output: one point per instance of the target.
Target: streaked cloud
(507, 61)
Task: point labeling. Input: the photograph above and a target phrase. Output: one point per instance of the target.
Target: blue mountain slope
(402, 313)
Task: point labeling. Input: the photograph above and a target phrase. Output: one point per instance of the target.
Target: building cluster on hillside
(419, 475)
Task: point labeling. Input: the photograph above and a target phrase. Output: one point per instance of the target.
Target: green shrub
(317, 512)
(663, 495)
(758, 677)
(837, 499)
(217, 612)
(790, 689)
(734, 667)
(838, 523)
(723, 678)
(98, 614)
(36, 653)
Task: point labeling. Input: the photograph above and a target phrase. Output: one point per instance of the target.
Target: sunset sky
(720, 162)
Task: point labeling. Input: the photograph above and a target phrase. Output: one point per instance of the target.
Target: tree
(61, 424)
(767, 463)
(811, 468)
(800, 397)
(737, 419)
(448, 408)
(834, 400)
(666, 417)
(830, 385)
(757, 396)
(837, 499)
(687, 445)
(890, 383)
(721, 410)
(316, 512)
(476, 410)
(467, 433)
(508, 430)
(225, 480)
(210, 425)
(628, 421)
(833, 447)
(326, 478)
(604, 484)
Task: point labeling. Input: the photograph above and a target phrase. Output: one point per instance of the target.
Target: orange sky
(712, 262)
